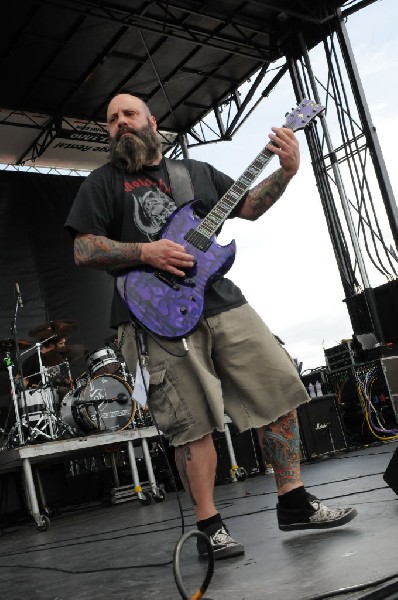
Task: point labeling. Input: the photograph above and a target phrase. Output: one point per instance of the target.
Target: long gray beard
(131, 153)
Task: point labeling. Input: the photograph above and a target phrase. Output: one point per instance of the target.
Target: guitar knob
(192, 298)
(176, 287)
(183, 310)
(190, 282)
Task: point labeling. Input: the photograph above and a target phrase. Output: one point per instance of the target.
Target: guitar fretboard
(221, 211)
(201, 236)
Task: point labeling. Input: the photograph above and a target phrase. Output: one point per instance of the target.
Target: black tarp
(37, 252)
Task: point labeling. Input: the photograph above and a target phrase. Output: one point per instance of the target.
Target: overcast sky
(285, 263)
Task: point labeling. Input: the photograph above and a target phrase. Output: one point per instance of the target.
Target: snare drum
(104, 404)
(102, 361)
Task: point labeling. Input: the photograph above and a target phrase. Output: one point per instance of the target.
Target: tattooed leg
(196, 463)
(281, 446)
(183, 455)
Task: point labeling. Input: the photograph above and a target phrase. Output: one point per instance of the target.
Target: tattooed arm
(100, 252)
(267, 192)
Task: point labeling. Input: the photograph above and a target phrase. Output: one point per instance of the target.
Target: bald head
(130, 111)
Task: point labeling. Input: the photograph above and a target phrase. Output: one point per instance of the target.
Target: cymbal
(57, 328)
(25, 343)
(72, 353)
(9, 344)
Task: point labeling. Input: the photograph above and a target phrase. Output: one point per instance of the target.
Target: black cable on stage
(176, 565)
(363, 587)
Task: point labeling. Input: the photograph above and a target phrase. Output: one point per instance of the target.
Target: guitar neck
(297, 119)
(221, 211)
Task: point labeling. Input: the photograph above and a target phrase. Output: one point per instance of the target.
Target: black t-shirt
(133, 207)
(31, 369)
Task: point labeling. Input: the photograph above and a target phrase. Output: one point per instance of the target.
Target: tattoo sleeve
(100, 252)
(266, 193)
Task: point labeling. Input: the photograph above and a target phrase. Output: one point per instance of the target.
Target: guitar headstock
(303, 114)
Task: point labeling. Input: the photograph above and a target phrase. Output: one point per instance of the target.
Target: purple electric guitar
(171, 306)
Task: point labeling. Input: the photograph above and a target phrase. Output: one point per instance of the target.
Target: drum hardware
(81, 381)
(142, 417)
(125, 374)
(41, 412)
(36, 408)
(85, 404)
(59, 375)
(18, 426)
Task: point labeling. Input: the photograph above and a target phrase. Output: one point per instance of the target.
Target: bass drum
(104, 404)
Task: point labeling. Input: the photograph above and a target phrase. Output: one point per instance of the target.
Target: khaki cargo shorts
(231, 364)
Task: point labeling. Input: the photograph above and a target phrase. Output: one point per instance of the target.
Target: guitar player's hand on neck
(260, 198)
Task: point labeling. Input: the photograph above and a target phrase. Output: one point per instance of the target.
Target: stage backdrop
(37, 252)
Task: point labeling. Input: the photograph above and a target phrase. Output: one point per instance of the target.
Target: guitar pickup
(168, 279)
(198, 240)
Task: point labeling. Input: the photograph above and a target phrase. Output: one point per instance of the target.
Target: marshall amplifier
(320, 426)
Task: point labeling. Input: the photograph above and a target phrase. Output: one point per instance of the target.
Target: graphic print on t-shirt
(151, 211)
(151, 205)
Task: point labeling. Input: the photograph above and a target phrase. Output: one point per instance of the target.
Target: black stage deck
(103, 553)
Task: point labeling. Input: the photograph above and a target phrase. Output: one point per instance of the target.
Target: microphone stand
(20, 371)
(9, 365)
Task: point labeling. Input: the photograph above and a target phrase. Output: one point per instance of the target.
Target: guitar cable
(142, 353)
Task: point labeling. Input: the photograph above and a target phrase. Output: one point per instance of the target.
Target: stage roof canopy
(62, 60)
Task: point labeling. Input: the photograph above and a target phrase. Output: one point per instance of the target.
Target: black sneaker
(224, 545)
(316, 516)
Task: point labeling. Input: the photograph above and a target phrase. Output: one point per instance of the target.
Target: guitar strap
(180, 181)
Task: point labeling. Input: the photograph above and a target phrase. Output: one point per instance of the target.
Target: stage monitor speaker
(391, 474)
(390, 369)
(320, 426)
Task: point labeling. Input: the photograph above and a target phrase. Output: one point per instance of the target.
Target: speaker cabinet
(320, 426)
(390, 369)
(247, 453)
(386, 300)
(391, 474)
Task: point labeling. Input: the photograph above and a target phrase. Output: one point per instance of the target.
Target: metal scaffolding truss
(191, 60)
(352, 179)
(203, 67)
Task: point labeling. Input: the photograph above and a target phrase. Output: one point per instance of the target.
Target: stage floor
(120, 551)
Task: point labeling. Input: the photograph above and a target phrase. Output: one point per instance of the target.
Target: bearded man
(231, 363)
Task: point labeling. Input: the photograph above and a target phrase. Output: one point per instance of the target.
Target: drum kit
(59, 406)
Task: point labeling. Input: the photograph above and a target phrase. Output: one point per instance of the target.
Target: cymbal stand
(47, 398)
(70, 382)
